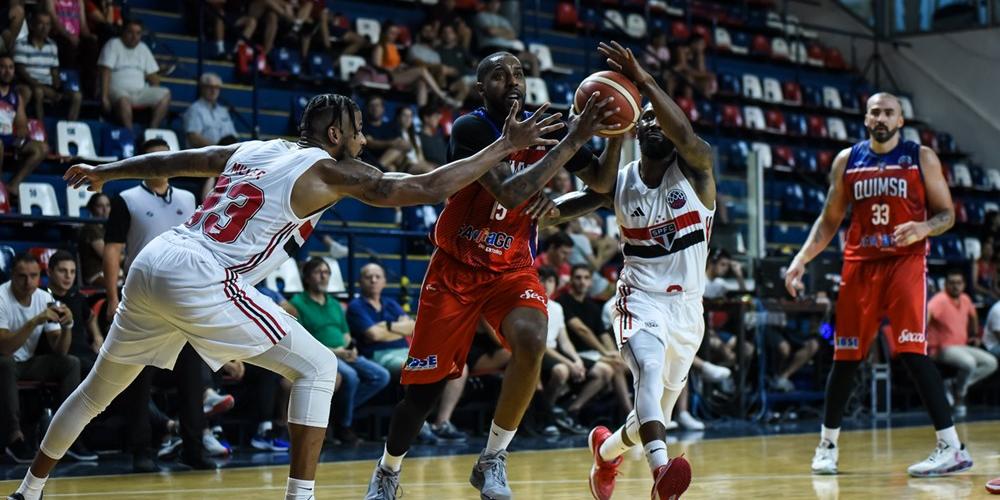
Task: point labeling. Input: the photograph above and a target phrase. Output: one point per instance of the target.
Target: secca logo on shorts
(421, 364)
(908, 337)
(531, 294)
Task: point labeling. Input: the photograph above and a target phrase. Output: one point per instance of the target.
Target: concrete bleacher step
(161, 21)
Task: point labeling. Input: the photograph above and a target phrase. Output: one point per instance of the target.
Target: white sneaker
(212, 445)
(825, 459)
(961, 411)
(943, 460)
(690, 423)
(715, 373)
(672, 425)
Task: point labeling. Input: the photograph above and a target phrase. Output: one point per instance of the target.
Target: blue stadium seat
(738, 152)
(707, 112)
(70, 79)
(285, 62)
(795, 124)
(815, 198)
(7, 254)
(741, 42)
(729, 84)
(118, 142)
(855, 130)
(946, 142)
(298, 108)
(805, 160)
(794, 198)
(811, 96)
(321, 67)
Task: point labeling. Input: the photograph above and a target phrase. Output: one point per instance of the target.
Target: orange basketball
(613, 84)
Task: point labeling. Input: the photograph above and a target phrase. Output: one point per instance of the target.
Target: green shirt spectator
(324, 321)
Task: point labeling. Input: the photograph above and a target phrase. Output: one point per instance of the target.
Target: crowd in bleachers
(76, 59)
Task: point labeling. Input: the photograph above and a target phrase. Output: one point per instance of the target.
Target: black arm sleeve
(116, 229)
(469, 135)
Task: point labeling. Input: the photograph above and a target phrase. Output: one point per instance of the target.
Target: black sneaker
(19, 452)
(81, 453)
(142, 461)
(18, 496)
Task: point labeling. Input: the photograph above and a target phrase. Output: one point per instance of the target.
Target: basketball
(614, 84)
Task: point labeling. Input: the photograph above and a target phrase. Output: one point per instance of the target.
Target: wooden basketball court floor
(873, 466)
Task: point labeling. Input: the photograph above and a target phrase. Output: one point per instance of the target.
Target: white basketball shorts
(676, 319)
(176, 292)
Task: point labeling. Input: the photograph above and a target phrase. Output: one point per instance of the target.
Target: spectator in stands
(987, 283)
(690, 64)
(332, 29)
(255, 11)
(37, 61)
(321, 314)
(592, 248)
(562, 365)
(384, 141)
(206, 122)
(87, 337)
(453, 53)
(15, 17)
(445, 15)
(953, 338)
(382, 329)
(26, 312)
(129, 78)
(91, 241)
(561, 184)
(417, 79)
(721, 266)
(104, 19)
(496, 32)
(424, 53)
(586, 329)
(414, 162)
(991, 331)
(70, 29)
(780, 343)
(432, 139)
(991, 226)
(558, 248)
(657, 55)
(14, 128)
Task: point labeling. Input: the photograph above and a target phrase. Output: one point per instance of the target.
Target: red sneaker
(993, 486)
(672, 479)
(603, 472)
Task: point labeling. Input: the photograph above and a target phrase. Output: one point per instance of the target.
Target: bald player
(898, 197)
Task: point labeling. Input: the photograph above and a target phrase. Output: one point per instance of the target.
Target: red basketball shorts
(871, 291)
(452, 299)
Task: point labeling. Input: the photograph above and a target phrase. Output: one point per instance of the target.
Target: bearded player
(898, 197)
(486, 242)
(662, 205)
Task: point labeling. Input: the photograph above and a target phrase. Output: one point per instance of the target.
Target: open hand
(590, 121)
(82, 174)
(909, 233)
(531, 131)
(623, 61)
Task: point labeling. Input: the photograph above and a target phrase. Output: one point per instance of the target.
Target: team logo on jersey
(638, 212)
(421, 364)
(494, 241)
(530, 294)
(664, 234)
(911, 337)
(676, 198)
(905, 161)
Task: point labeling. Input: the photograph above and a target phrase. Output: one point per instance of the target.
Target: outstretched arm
(202, 162)
(577, 203)
(602, 174)
(825, 227)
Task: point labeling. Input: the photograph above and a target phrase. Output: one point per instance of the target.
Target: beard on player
(654, 145)
(882, 133)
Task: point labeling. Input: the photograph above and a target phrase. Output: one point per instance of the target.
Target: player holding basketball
(486, 239)
(891, 186)
(662, 204)
(195, 283)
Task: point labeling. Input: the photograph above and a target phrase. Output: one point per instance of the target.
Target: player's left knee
(527, 337)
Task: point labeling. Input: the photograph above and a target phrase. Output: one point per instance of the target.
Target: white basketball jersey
(664, 232)
(247, 221)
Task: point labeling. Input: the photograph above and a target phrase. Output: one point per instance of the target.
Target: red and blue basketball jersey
(884, 190)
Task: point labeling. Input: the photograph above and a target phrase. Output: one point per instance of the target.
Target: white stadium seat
(831, 98)
(907, 105)
(751, 87)
(163, 133)
(77, 199)
(763, 151)
(911, 134)
(38, 194)
(77, 134)
(369, 28)
(350, 65)
(288, 272)
(961, 175)
(537, 93)
(753, 118)
(545, 62)
(836, 129)
(772, 90)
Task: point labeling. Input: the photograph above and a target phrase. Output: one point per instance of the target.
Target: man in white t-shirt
(129, 79)
(991, 332)
(25, 313)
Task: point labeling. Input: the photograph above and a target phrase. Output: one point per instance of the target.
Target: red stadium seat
(4, 199)
(929, 138)
(760, 46)
(834, 59)
(824, 159)
(42, 254)
(792, 93)
(946, 170)
(817, 126)
(688, 107)
(783, 156)
(679, 31)
(775, 121)
(566, 16)
(815, 55)
(731, 116)
(960, 214)
(704, 32)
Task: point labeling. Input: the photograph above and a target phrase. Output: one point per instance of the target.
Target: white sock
(829, 434)
(300, 489)
(499, 438)
(950, 437)
(31, 486)
(656, 454)
(615, 446)
(220, 45)
(391, 462)
(264, 427)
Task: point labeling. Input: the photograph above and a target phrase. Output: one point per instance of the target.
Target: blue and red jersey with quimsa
(884, 190)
